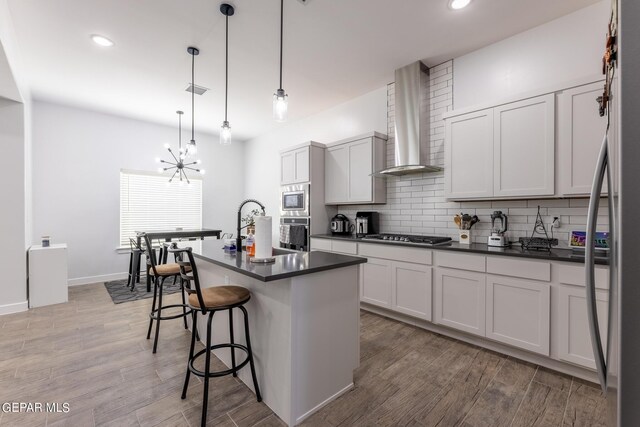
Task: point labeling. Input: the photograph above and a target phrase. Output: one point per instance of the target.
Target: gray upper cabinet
(507, 151)
(580, 133)
(469, 155)
(523, 148)
(349, 165)
(294, 166)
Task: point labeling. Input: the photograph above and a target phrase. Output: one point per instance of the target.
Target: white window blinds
(148, 202)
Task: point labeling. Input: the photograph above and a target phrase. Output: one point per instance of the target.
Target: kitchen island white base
(304, 334)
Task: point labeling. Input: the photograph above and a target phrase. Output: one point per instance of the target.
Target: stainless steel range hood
(412, 122)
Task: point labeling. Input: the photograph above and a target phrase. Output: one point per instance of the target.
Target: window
(149, 202)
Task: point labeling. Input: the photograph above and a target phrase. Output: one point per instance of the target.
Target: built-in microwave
(294, 200)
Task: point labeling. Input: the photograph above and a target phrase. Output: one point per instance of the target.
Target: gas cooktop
(407, 238)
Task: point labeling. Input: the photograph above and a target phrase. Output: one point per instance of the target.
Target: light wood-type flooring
(93, 355)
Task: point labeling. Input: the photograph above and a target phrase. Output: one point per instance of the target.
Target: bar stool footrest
(154, 316)
(218, 373)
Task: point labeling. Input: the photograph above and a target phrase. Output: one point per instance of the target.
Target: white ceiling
(335, 50)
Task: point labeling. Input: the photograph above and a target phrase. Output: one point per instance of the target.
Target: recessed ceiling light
(459, 4)
(101, 40)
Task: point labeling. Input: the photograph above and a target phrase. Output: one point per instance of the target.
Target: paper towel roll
(263, 237)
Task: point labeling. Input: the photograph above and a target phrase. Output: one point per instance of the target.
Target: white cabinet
(375, 282)
(518, 313)
(459, 300)
(523, 148)
(360, 170)
(349, 165)
(469, 155)
(336, 174)
(48, 275)
(294, 166)
(411, 289)
(573, 325)
(502, 152)
(580, 133)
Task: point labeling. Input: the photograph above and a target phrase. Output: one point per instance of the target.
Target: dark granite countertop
(287, 263)
(556, 254)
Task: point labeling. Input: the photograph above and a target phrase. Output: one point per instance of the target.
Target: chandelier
(179, 165)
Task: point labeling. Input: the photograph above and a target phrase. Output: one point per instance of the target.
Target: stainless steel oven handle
(592, 219)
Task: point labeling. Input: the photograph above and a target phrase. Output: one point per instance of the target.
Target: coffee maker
(366, 223)
(498, 229)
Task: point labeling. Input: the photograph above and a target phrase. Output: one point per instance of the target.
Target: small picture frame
(465, 237)
(578, 240)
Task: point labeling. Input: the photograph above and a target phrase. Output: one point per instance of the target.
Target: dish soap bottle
(251, 245)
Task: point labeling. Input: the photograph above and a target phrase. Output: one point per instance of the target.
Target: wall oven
(294, 200)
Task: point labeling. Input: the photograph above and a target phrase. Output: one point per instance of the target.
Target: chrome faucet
(239, 238)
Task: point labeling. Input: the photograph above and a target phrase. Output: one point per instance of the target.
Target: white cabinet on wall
(294, 166)
(501, 152)
(460, 300)
(518, 313)
(523, 148)
(469, 155)
(580, 133)
(349, 165)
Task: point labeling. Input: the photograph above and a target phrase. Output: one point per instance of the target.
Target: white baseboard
(96, 279)
(14, 308)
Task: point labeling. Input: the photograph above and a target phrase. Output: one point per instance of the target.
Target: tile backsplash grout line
(416, 203)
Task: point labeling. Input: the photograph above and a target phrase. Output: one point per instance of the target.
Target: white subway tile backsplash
(416, 203)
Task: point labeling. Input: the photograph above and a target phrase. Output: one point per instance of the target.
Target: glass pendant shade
(192, 149)
(225, 133)
(280, 106)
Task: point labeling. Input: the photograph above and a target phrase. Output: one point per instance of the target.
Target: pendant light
(225, 131)
(280, 98)
(179, 165)
(191, 147)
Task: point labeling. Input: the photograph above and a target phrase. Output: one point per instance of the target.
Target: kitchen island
(304, 323)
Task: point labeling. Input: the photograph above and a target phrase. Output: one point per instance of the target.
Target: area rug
(120, 292)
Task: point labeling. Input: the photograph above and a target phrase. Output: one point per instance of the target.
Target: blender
(498, 230)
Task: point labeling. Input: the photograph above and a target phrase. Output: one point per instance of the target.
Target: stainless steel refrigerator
(619, 366)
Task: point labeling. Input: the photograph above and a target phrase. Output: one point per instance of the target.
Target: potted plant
(250, 222)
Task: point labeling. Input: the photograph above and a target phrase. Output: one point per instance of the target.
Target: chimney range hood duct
(412, 122)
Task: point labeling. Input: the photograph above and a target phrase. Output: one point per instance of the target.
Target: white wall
(567, 48)
(13, 288)
(363, 114)
(77, 158)
(15, 145)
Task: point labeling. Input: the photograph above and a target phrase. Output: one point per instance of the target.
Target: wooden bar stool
(209, 301)
(159, 273)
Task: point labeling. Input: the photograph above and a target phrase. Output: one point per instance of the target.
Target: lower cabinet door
(460, 300)
(573, 325)
(518, 313)
(411, 287)
(375, 282)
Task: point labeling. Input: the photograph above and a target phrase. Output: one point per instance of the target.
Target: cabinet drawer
(344, 247)
(321, 245)
(396, 253)
(535, 270)
(461, 261)
(574, 275)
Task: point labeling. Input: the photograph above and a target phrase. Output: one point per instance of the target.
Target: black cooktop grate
(408, 238)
